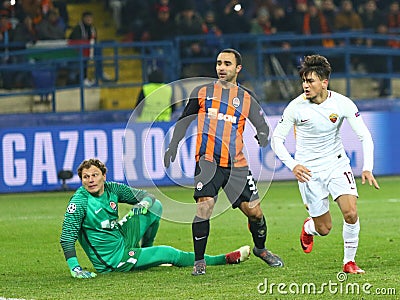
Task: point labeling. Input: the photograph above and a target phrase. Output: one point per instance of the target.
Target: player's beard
(227, 79)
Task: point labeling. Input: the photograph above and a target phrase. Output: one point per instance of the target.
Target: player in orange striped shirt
(222, 108)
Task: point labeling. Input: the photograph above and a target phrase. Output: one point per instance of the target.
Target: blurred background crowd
(25, 22)
(32, 20)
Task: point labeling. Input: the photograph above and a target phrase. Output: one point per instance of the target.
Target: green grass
(32, 265)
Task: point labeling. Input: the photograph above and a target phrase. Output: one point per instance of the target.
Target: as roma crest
(333, 118)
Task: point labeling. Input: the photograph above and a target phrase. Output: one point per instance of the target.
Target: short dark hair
(86, 13)
(87, 163)
(238, 56)
(315, 63)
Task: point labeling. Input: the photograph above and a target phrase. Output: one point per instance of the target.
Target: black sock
(200, 231)
(258, 230)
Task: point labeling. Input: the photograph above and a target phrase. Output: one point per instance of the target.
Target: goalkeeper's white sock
(309, 227)
(350, 238)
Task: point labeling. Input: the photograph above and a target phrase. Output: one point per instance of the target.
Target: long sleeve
(188, 115)
(359, 127)
(257, 117)
(128, 194)
(73, 218)
(279, 136)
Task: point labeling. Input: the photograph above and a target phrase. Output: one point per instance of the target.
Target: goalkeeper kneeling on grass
(120, 245)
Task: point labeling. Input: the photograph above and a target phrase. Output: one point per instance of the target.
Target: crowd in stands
(26, 22)
(32, 20)
(164, 19)
(154, 20)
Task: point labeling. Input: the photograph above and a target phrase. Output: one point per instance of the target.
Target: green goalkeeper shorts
(130, 228)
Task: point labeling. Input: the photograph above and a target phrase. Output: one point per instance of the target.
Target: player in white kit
(320, 164)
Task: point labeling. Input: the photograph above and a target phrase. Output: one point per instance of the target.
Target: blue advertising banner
(32, 157)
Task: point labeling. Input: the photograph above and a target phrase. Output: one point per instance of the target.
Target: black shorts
(238, 183)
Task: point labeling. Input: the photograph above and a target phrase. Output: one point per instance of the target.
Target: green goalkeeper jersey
(94, 222)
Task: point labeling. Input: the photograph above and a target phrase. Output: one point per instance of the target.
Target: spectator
(25, 31)
(370, 15)
(163, 28)
(52, 27)
(282, 24)
(135, 16)
(280, 20)
(262, 23)
(6, 34)
(85, 29)
(61, 5)
(8, 9)
(46, 6)
(189, 22)
(347, 18)
(36, 9)
(203, 7)
(162, 3)
(278, 62)
(329, 10)
(29, 7)
(5, 29)
(85, 33)
(393, 22)
(269, 4)
(314, 22)
(297, 15)
(234, 19)
(210, 24)
(213, 32)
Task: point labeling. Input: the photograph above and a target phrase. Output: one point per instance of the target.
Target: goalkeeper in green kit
(120, 245)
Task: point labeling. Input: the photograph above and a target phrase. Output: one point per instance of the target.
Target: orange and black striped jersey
(221, 118)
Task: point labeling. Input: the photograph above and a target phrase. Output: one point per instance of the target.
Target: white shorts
(336, 181)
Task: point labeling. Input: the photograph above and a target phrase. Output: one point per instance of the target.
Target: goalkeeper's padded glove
(140, 209)
(262, 138)
(170, 154)
(77, 272)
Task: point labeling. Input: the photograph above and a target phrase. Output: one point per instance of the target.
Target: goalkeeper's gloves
(262, 138)
(77, 272)
(140, 209)
(170, 154)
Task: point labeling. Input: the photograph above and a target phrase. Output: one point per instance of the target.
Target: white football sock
(350, 238)
(309, 227)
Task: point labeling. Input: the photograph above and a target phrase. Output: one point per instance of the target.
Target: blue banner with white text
(32, 157)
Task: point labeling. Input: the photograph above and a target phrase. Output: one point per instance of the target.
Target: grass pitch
(32, 265)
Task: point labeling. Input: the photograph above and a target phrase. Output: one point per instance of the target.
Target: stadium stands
(120, 68)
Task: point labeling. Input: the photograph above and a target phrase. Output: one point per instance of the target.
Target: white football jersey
(318, 142)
